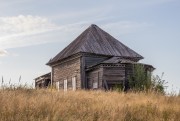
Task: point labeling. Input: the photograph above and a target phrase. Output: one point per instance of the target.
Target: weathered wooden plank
(67, 71)
(106, 85)
(114, 72)
(83, 74)
(115, 81)
(114, 78)
(90, 60)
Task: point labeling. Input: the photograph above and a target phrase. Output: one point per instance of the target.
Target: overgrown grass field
(51, 105)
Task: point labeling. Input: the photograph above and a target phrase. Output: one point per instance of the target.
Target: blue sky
(32, 32)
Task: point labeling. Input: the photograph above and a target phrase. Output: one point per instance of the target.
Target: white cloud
(7, 53)
(23, 24)
(22, 31)
(19, 31)
(3, 52)
(14, 29)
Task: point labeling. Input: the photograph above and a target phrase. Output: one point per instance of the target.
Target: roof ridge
(97, 41)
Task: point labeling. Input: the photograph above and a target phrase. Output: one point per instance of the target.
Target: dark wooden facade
(94, 60)
(43, 81)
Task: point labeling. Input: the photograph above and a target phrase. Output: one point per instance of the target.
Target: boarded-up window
(74, 83)
(65, 85)
(95, 85)
(57, 85)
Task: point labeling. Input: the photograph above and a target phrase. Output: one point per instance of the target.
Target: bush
(158, 84)
(141, 80)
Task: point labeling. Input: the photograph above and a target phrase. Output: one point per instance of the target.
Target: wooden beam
(106, 85)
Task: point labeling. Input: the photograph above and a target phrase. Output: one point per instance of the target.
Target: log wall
(67, 70)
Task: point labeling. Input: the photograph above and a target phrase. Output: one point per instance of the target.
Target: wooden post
(106, 85)
(83, 74)
(98, 80)
(51, 78)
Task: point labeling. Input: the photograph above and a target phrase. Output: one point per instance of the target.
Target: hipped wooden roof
(95, 40)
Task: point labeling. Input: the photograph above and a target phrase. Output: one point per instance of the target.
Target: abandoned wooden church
(94, 60)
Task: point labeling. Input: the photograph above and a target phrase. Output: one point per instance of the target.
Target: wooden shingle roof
(95, 40)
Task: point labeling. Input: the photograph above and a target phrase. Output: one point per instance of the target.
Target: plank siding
(92, 60)
(95, 76)
(114, 73)
(129, 70)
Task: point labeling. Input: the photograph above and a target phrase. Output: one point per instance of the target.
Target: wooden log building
(43, 81)
(94, 60)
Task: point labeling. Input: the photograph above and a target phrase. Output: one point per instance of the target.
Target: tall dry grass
(47, 105)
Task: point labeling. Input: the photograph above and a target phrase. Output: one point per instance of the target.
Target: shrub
(141, 80)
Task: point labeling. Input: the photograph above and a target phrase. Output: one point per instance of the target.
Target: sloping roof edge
(97, 41)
